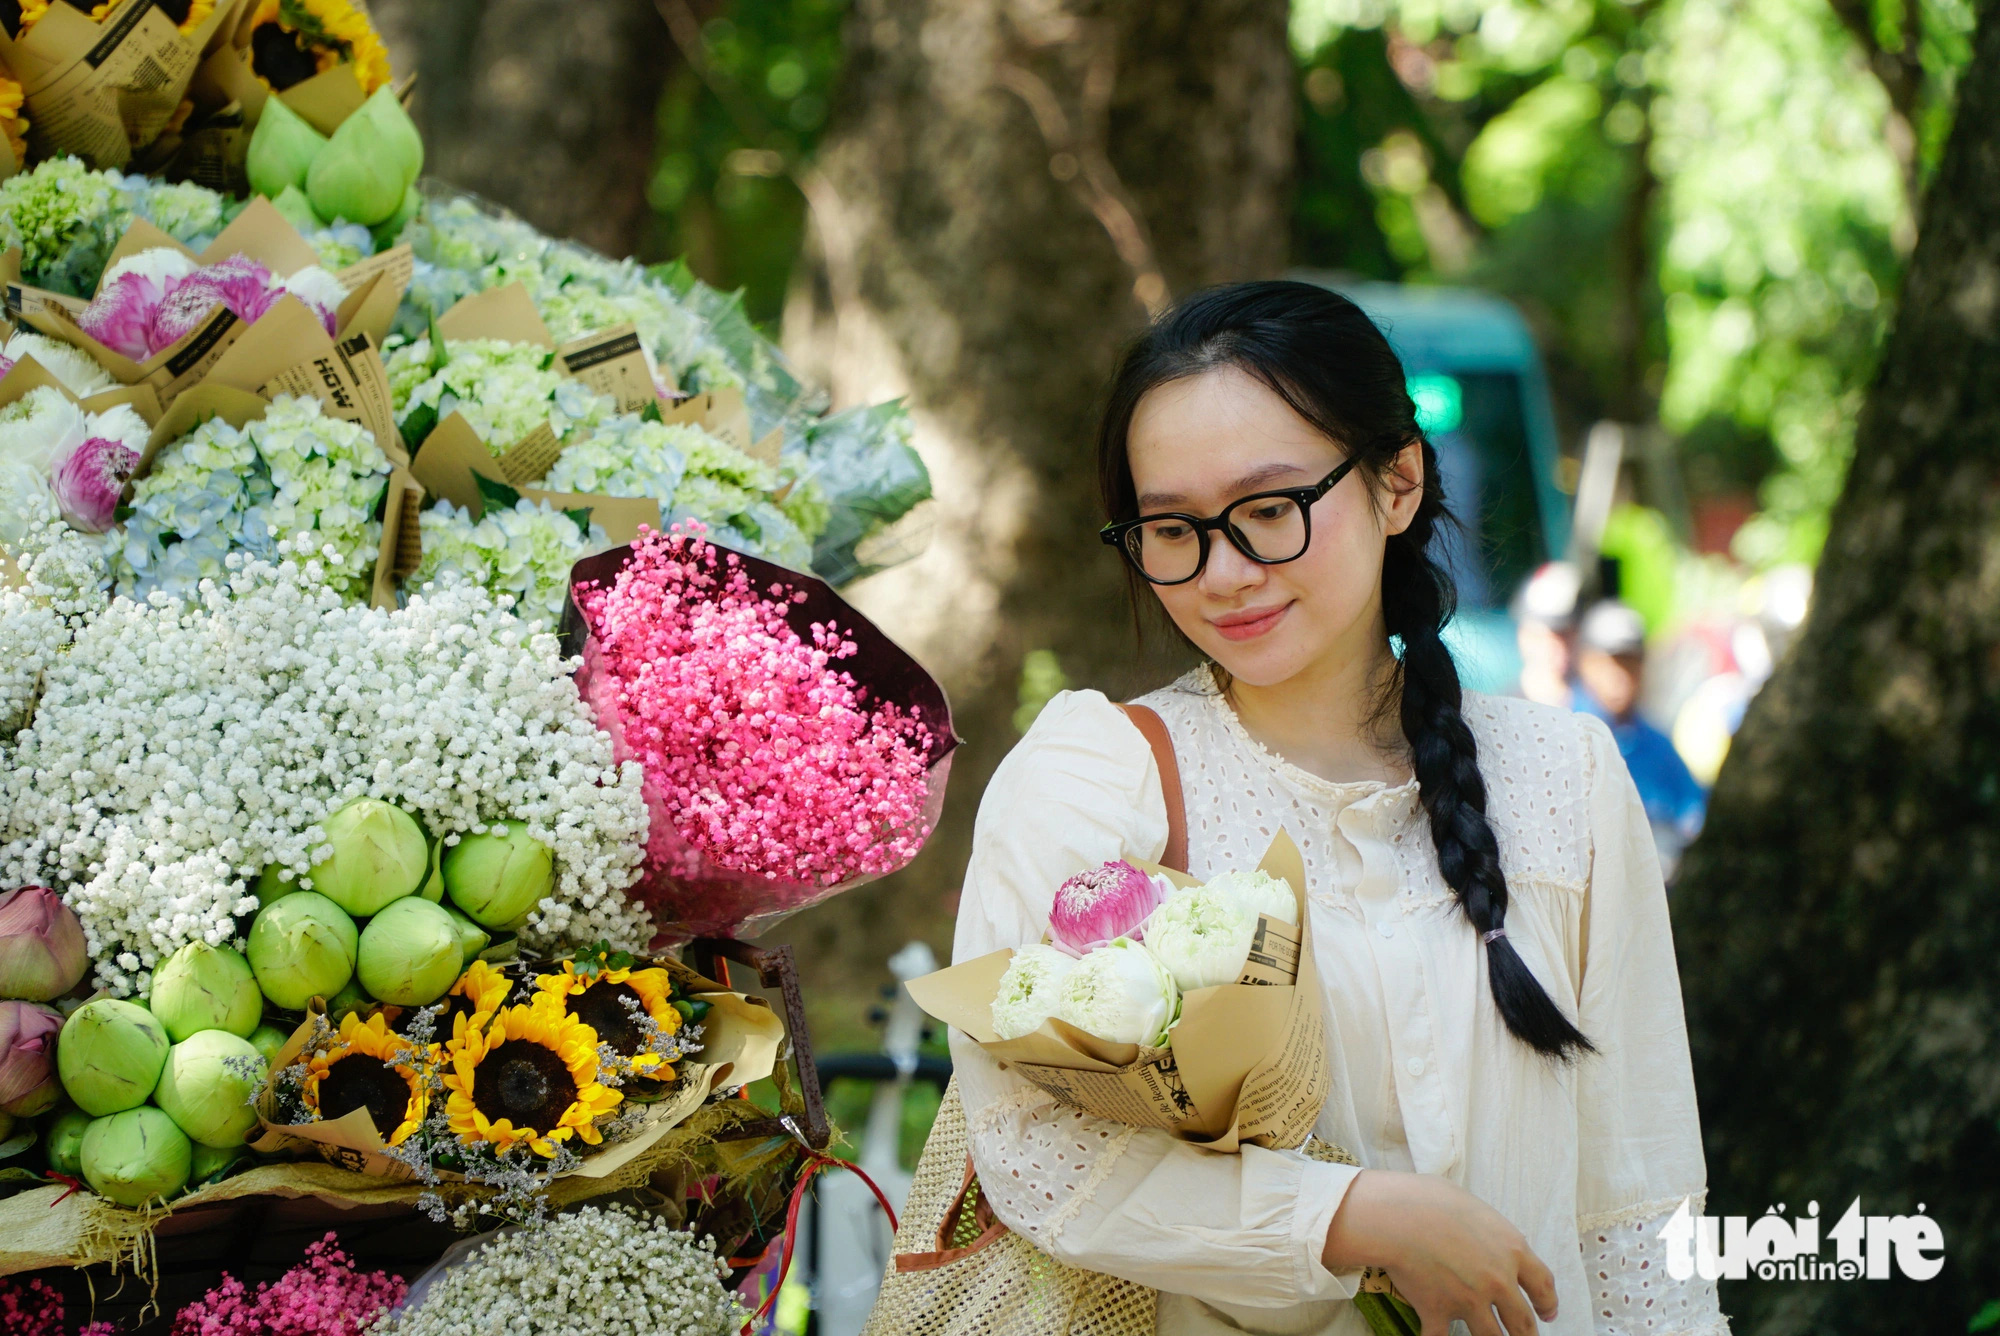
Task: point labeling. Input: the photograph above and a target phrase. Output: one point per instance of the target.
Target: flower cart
(420, 669)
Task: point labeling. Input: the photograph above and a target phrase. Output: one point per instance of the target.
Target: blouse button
(1415, 1066)
(1386, 928)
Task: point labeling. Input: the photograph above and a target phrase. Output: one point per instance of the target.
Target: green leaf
(651, 412)
(675, 274)
(581, 518)
(1986, 1318)
(421, 422)
(439, 356)
(494, 493)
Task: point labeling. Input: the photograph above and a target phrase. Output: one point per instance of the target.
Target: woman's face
(1199, 443)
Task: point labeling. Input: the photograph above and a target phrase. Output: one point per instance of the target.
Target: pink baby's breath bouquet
(791, 750)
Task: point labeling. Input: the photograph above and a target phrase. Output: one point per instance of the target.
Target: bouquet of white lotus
(1161, 1001)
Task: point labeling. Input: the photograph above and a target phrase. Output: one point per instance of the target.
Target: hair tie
(1486, 938)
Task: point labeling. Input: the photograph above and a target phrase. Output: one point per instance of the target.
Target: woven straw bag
(957, 1271)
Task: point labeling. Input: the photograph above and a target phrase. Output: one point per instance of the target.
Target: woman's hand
(1451, 1255)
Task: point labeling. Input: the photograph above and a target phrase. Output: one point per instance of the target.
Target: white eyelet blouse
(1587, 1161)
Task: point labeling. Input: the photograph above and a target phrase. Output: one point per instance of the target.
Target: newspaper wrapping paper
(103, 90)
(217, 350)
(1247, 1062)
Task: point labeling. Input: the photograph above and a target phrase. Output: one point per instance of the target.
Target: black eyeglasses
(1270, 528)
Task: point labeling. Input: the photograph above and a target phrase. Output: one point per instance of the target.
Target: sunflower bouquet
(109, 76)
(516, 1077)
(290, 41)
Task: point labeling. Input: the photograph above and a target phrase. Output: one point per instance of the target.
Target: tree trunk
(1007, 189)
(546, 109)
(1837, 922)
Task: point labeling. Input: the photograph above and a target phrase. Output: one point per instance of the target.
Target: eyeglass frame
(1113, 534)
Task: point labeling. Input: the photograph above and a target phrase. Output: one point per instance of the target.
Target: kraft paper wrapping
(287, 335)
(58, 1226)
(104, 90)
(1247, 1061)
(613, 361)
(741, 1037)
(453, 453)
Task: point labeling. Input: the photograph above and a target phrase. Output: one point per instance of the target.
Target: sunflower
(186, 14)
(529, 1074)
(11, 124)
(356, 1074)
(476, 996)
(597, 997)
(292, 40)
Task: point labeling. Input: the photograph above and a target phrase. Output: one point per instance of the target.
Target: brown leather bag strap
(1147, 720)
(990, 1229)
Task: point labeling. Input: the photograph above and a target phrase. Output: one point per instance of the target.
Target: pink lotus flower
(90, 481)
(150, 301)
(28, 1084)
(239, 283)
(121, 315)
(1095, 907)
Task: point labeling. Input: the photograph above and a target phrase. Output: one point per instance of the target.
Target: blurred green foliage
(731, 133)
(1702, 205)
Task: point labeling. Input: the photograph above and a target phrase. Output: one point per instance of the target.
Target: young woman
(1504, 1021)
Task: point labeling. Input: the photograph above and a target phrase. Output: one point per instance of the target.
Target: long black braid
(1323, 355)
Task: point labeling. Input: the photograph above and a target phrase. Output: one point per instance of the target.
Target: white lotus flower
(75, 368)
(1202, 936)
(1028, 992)
(1121, 994)
(1260, 893)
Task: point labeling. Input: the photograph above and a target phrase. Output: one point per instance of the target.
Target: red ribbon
(815, 1163)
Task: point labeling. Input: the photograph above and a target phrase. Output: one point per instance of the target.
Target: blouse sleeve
(1639, 1151)
(1245, 1229)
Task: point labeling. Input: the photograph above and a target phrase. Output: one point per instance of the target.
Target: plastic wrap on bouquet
(689, 892)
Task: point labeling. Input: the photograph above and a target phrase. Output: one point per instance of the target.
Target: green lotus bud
(410, 953)
(62, 1141)
(203, 987)
(383, 129)
(135, 1156)
(498, 877)
(388, 231)
(282, 149)
(273, 884)
(348, 182)
(208, 1162)
(472, 939)
(378, 855)
(297, 209)
(207, 1085)
(433, 887)
(268, 1039)
(351, 998)
(109, 1055)
(302, 947)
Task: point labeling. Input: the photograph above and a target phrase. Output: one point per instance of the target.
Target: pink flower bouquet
(791, 749)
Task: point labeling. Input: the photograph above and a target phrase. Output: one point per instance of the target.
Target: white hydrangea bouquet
(1160, 1001)
(506, 389)
(744, 504)
(223, 488)
(523, 551)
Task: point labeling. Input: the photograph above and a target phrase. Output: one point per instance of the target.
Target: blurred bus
(1483, 398)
